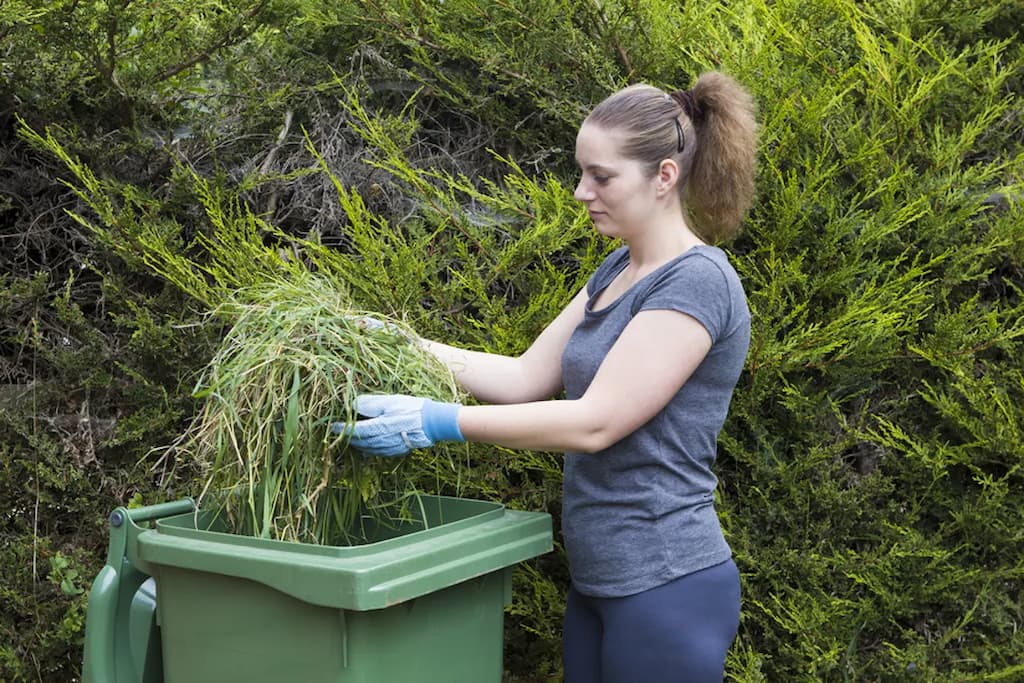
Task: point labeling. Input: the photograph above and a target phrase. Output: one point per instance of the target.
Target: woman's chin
(603, 225)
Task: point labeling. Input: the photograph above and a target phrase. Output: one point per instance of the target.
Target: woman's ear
(668, 176)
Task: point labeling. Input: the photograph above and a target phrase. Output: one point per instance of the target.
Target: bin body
(425, 603)
(219, 628)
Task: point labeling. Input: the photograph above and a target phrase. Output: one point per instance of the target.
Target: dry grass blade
(293, 361)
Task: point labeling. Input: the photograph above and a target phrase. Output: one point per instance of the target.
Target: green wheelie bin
(181, 600)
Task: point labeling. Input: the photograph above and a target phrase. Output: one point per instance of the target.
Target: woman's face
(618, 193)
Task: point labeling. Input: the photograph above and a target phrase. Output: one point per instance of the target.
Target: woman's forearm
(557, 425)
(534, 375)
(489, 377)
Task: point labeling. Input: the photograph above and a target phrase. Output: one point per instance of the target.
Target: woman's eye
(601, 179)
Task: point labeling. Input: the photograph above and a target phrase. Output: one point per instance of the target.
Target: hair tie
(689, 104)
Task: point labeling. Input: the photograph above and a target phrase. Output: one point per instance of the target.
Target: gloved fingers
(363, 430)
(388, 435)
(377, 405)
(367, 406)
(372, 405)
(382, 436)
(366, 322)
(390, 425)
(383, 449)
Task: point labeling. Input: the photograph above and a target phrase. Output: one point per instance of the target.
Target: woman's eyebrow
(593, 167)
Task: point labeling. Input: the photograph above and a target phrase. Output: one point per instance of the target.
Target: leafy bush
(871, 465)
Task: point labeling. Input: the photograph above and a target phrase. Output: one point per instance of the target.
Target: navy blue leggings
(675, 633)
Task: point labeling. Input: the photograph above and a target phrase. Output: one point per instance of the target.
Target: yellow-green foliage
(871, 466)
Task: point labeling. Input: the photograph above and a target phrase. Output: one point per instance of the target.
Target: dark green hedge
(421, 152)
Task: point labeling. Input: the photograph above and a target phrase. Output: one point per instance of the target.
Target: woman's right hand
(368, 323)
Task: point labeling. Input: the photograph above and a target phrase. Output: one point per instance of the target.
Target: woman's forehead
(598, 146)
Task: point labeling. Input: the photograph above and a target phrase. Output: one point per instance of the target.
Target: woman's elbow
(595, 438)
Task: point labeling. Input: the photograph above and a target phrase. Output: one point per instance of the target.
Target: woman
(647, 354)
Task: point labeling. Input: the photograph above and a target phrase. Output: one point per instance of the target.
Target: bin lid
(463, 539)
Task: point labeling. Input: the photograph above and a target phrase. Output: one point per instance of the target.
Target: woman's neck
(661, 242)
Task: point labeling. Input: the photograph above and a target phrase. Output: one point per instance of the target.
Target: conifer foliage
(420, 155)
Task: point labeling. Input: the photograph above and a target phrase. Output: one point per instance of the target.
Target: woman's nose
(582, 194)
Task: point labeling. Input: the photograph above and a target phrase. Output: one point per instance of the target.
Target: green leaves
(871, 466)
(64, 575)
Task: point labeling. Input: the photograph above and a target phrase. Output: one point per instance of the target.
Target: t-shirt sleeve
(695, 286)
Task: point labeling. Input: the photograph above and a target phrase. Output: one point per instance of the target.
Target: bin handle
(151, 512)
(118, 580)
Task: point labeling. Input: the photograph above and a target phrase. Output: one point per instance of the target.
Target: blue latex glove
(371, 324)
(397, 424)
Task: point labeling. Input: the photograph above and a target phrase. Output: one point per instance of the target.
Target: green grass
(292, 363)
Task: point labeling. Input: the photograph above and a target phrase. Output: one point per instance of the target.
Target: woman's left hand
(393, 425)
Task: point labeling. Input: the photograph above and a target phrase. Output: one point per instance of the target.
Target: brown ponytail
(710, 131)
(720, 189)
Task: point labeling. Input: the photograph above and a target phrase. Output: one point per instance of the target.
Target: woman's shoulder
(704, 272)
(709, 259)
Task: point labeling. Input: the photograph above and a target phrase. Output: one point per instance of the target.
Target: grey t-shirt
(641, 512)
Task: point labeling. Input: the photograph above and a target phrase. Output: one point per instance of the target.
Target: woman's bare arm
(649, 363)
(533, 376)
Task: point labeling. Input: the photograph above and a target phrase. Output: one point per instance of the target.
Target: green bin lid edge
(373, 579)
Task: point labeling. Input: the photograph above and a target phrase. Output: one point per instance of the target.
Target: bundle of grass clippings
(293, 362)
